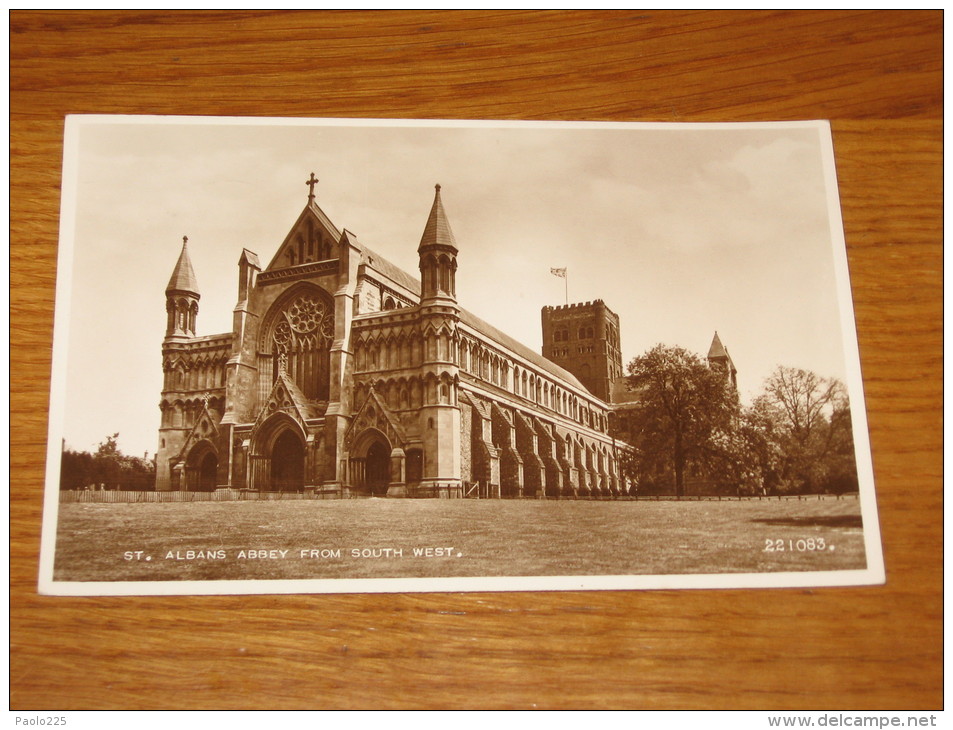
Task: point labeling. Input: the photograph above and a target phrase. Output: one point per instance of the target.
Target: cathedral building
(344, 376)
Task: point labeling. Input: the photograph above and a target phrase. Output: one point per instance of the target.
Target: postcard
(339, 356)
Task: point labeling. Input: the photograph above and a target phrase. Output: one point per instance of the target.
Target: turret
(718, 358)
(182, 297)
(439, 315)
(438, 257)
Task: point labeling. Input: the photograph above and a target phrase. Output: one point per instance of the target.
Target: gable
(287, 398)
(312, 238)
(205, 429)
(374, 413)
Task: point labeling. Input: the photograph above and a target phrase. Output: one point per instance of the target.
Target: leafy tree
(107, 463)
(686, 413)
(805, 426)
(841, 463)
(757, 454)
(76, 469)
(794, 438)
(107, 467)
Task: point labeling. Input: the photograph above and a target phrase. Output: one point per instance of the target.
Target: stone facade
(584, 339)
(345, 376)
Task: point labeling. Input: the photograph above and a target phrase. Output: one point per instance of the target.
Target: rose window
(301, 339)
(307, 322)
(305, 314)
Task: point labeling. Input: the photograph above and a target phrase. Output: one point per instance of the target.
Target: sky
(683, 230)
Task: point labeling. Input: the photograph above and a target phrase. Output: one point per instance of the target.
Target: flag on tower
(558, 272)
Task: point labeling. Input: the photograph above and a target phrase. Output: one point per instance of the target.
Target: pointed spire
(718, 357)
(717, 349)
(437, 231)
(183, 276)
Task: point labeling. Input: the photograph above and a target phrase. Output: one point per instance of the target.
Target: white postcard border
(873, 574)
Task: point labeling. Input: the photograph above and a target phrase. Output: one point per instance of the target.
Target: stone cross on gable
(311, 183)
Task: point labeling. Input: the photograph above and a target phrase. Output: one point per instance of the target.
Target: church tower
(718, 358)
(439, 315)
(182, 308)
(438, 258)
(182, 297)
(584, 339)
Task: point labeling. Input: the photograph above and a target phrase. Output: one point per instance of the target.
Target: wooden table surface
(876, 75)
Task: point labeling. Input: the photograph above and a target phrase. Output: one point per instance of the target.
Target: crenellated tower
(584, 339)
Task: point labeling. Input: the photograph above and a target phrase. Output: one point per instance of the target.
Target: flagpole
(564, 273)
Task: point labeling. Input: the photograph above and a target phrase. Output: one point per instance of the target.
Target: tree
(686, 412)
(76, 469)
(805, 420)
(108, 467)
(842, 461)
(107, 463)
(760, 450)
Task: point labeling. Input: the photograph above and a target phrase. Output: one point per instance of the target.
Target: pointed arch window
(444, 270)
(301, 341)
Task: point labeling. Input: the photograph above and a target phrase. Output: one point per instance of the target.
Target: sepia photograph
(336, 356)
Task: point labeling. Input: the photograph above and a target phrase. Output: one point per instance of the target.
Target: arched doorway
(201, 468)
(370, 463)
(377, 468)
(208, 471)
(287, 463)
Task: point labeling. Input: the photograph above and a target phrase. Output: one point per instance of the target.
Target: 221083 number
(807, 545)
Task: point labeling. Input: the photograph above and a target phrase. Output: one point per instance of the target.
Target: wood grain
(876, 75)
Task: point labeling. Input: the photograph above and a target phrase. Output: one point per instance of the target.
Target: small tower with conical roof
(438, 257)
(439, 317)
(718, 358)
(182, 308)
(182, 297)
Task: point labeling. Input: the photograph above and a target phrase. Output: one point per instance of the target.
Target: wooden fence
(235, 495)
(225, 495)
(737, 498)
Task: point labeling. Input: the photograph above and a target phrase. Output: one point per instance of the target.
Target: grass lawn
(487, 537)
